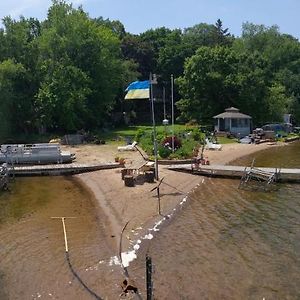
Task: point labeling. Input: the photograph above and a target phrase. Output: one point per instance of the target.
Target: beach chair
(128, 147)
(211, 146)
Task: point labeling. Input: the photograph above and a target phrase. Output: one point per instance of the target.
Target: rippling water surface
(232, 244)
(32, 251)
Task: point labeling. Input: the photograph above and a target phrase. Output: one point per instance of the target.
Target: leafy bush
(198, 135)
(140, 133)
(186, 151)
(164, 152)
(167, 142)
(146, 143)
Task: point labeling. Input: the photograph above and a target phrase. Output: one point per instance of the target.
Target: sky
(140, 15)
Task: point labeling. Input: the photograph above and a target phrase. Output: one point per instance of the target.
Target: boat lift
(258, 178)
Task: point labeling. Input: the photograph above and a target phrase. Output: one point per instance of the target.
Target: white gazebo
(234, 122)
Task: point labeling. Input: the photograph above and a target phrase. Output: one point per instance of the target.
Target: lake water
(33, 263)
(225, 243)
(229, 243)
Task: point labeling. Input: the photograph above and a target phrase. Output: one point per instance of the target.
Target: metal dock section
(286, 175)
(61, 169)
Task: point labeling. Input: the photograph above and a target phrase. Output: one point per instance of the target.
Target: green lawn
(226, 140)
(119, 135)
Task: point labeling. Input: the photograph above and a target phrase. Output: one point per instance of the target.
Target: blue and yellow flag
(138, 90)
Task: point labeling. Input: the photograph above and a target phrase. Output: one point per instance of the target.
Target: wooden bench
(138, 169)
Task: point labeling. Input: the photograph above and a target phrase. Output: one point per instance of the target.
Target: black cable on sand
(80, 280)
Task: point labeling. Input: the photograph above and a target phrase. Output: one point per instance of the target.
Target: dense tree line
(69, 71)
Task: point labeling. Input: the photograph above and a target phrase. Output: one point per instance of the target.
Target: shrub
(146, 143)
(140, 133)
(187, 149)
(164, 152)
(167, 142)
(192, 122)
(198, 135)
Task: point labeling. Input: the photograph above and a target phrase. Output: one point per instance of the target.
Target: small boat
(34, 154)
(246, 140)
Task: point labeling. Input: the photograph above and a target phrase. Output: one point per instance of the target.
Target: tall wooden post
(149, 284)
(158, 198)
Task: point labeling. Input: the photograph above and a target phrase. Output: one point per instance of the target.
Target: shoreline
(232, 152)
(137, 205)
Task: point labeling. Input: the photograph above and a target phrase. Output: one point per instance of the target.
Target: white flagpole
(154, 128)
(164, 100)
(172, 94)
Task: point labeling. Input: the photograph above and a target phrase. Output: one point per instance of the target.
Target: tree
(222, 36)
(19, 51)
(278, 102)
(173, 55)
(116, 26)
(217, 78)
(80, 69)
(14, 105)
(282, 52)
(208, 84)
(140, 52)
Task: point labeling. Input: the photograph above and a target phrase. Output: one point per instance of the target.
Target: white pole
(172, 94)
(154, 129)
(164, 99)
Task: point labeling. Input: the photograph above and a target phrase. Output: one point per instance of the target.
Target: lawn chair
(211, 146)
(128, 147)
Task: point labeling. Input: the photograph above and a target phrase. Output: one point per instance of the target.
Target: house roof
(232, 113)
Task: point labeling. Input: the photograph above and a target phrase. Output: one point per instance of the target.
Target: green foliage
(168, 142)
(198, 135)
(164, 152)
(186, 151)
(14, 105)
(146, 143)
(80, 69)
(140, 133)
(278, 102)
(209, 83)
(69, 72)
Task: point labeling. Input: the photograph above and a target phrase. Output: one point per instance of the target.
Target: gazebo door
(221, 124)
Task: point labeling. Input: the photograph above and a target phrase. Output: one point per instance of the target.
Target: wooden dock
(286, 175)
(61, 169)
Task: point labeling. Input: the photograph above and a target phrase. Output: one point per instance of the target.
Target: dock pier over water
(286, 174)
(61, 169)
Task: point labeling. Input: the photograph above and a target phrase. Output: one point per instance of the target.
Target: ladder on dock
(5, 172)
(258, 178)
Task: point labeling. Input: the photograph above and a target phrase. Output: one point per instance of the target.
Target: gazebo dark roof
(232, 113)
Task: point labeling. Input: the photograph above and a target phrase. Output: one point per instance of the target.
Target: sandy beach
(138, 205)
